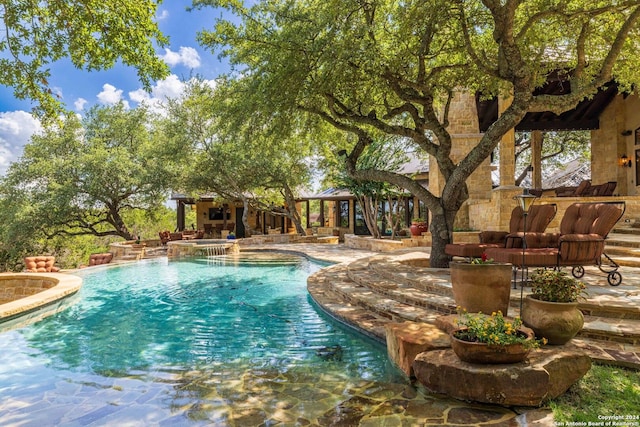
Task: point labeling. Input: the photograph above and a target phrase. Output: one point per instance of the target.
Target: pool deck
(369, 289)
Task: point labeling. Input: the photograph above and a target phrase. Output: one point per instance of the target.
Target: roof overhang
(585, 116)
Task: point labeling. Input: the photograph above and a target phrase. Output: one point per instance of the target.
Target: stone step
(626, 229)
(622, 243)
(611, 341)
(377, 283)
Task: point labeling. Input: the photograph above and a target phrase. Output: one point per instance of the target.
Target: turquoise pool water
(184, 343)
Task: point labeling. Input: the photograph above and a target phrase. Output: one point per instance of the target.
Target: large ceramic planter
(481, 287)
(558, 322)
(417, 228)
(477, 352)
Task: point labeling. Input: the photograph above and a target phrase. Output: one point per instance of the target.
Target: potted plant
(418, 226)
(491, 339)
(481, 285)
(551, 309)
(231, 236)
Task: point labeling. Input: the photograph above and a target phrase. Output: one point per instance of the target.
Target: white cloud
(171, 87)
(16, 127)
(163, 15)
(80, 103)
(186, 56)
(111, 96)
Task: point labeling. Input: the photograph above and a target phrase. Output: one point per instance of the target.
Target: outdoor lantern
(624, 161)
(525, 200)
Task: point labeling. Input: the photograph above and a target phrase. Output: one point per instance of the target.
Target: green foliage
(603, 391)
(82, 178)
(555, 286)
(92, 34)
(493, 330)
(393, 68)
(217, 148)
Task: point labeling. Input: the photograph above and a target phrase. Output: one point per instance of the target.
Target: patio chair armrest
(514, 240)
(576, 248)
(493, 237)
(542, 240)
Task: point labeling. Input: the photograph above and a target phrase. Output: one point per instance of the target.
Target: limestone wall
(617, 136)
(15, 287)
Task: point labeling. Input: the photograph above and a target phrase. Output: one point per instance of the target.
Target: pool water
(222, 341)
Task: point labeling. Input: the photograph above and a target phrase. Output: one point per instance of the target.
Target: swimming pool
(234, 340)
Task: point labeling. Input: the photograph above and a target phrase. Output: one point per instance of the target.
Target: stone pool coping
(66, 285)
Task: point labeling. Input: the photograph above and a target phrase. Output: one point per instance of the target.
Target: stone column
(507, 167)
(465, 134)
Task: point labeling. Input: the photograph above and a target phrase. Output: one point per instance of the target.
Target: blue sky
(81, 90)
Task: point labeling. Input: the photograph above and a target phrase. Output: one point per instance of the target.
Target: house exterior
(614, 121)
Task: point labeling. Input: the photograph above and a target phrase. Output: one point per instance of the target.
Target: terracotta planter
(477, 352)
(558, 322)
(417, 228)
(481, 287)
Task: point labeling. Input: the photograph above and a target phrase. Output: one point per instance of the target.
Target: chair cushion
(468, 250)
(590, 218)
(530, 257)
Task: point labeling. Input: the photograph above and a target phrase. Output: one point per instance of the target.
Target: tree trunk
(441, 233)
(248, 231)
(293, 213)
(370, 213)
(118, 223)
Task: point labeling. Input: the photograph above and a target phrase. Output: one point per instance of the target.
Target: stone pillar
(611, 141)
(507, 167)
(536, 158)
(465, 134)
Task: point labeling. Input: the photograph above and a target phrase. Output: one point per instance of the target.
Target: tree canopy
(216, 148)
(92, 34)
(369, 67)
(83, 177)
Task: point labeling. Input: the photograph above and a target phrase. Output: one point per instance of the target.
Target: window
(343, 213)
(217, 214)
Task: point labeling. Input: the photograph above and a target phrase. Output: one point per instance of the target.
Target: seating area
(538, 218)
(40, 264)
(580, 242)
(167, 236)
(584, 189)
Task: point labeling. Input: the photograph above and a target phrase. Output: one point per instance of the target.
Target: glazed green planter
(481, 287)
(558, 322)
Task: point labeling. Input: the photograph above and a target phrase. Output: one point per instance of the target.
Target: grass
(603, 391)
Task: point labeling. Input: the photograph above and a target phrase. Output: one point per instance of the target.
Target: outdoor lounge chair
(40, 264)
(538, 219)
(99, 259)
(165, 236)
(583, 230)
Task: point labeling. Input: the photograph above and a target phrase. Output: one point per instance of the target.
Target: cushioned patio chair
(40, 264)
(100, 259)
(538, 219)
(165, 236)
(583, 230)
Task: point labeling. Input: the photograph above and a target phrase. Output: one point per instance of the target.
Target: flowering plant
(493, 330)
(555, 286)
(482, 260)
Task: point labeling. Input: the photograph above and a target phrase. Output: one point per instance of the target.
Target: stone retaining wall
(388, 245)
(16, 287)
(24, 293)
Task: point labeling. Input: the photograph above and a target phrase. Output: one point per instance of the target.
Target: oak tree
(384, 66)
